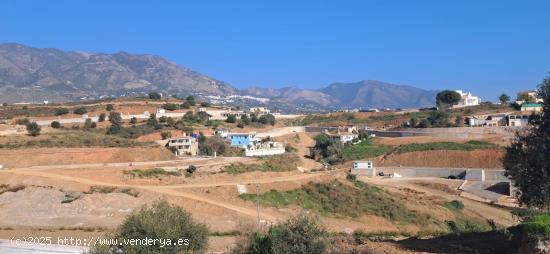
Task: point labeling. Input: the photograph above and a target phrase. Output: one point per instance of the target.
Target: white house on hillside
(467, 99)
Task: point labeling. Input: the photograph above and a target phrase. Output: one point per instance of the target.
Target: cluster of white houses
(252, 145)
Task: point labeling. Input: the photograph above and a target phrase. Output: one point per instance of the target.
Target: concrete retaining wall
(467, 174)
(265, 152)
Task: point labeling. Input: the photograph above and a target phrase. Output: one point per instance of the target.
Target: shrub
(454, 206)
(267, 119)
(109, 107)
(80, 111)
(538, 226)
(205, 104)
(55, 125)
(170, 106)
(160, 221)
(22, 121)
(33, 129)
(101, 117)
(61, 111)
(133, 120)
(155, 96)
(303, 233)
(191, 169)
(166, 135)
(231, 119)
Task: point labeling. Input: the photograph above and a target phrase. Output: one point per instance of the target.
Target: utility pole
(258, 205)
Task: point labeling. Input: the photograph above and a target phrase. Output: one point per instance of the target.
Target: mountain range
(30, 74)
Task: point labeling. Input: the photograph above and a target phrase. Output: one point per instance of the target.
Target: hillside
(372, 93)
(32, 74)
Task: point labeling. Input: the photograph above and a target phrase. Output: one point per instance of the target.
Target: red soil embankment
(487, 158)
(57, 156)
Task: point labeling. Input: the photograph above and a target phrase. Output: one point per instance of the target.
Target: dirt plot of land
(486, 158)
(57, 156)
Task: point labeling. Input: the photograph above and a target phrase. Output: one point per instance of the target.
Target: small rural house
(222, 132)
(466, 99)
(518, 120)
(241, 140)
(183, 145)
(259, 111)
(264, 148)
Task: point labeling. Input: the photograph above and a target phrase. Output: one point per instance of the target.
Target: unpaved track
(169, 189)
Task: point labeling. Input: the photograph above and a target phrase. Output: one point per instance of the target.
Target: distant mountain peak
(93, 75)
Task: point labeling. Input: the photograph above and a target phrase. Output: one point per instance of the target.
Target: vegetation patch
(111, 189)
(276, 163)
(151, 173)
(468, 146)
(363, 150)
(11, 188)
(538, 226)
(344, 200)
(69, 138)
(454, 206)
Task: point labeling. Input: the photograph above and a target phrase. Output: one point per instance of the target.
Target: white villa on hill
(467, 99)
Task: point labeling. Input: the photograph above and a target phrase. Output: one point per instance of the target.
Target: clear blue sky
(487, 47)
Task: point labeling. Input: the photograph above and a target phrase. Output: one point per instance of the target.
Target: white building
(363, 168)
(259, 111)
(466, 100)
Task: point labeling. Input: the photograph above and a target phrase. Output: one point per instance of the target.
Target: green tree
(152, 121)
(170, 106)
(88, 123)
(267, 119)
(447, 98)
(101, 117)
(109, 107)
(504, 99)
(191, 100)
(438, 118)
(155, 96)
(116, 123)
(133, 120)
(303, 233)
(80, 111)
(161, 220)
(33, 129)
(61, 111)
(55, 125)
(185, 105)
(205, 104)
(413, 121)
(231, 118)
(527, 158)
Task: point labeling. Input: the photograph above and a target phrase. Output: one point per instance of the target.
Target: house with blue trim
(241, 140)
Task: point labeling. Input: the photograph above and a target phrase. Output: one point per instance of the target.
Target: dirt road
(169, 189)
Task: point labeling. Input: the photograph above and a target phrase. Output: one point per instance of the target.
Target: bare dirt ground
(301, 142)
(486, 158)
(56, 156)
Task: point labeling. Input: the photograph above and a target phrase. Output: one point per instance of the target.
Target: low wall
(265, 152)
(461, 173)
(363, 172)
(455, 132)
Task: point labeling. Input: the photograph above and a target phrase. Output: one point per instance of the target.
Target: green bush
(303, 233)
(80, 111)
(61, 111)
(159, 221)
(55, 124)
(150, 173)
(337, 199)
(538, 226)
(33, 129)
(454, 205)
